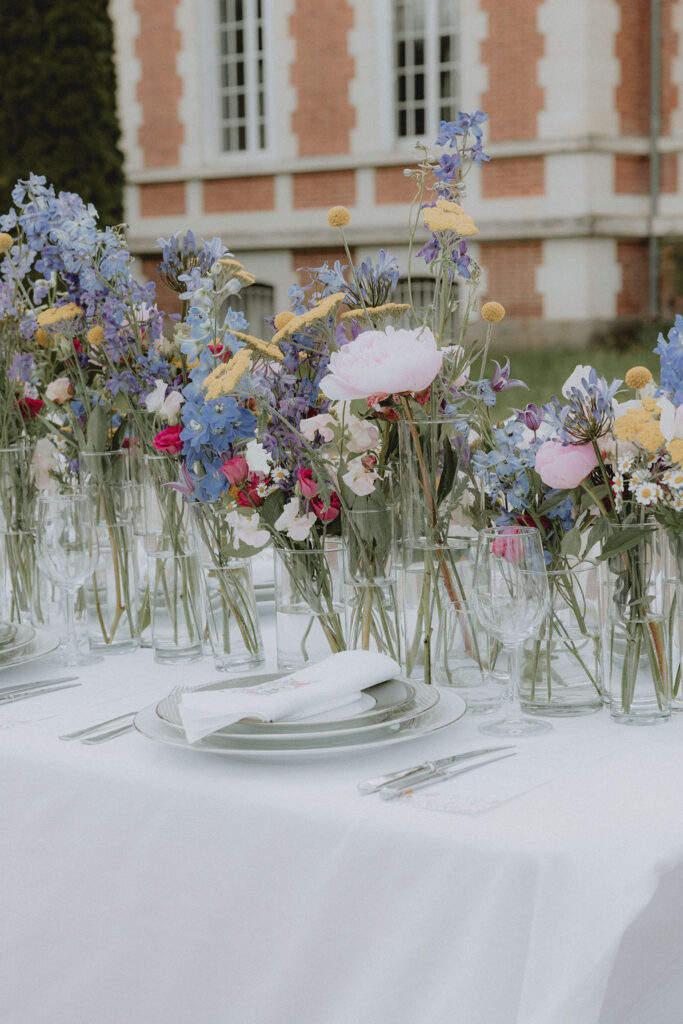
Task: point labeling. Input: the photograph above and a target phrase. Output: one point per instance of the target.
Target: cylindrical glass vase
(373, 617)
(561, 670)
(111, 591)
(233, 620)
(177, 607)
(636, 648)
(310, 613)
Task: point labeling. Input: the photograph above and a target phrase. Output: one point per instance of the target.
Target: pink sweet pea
(307, 485)
(387, 362)
(236, 470)
(563, 466)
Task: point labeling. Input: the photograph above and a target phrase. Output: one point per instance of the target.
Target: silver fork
(89, 729)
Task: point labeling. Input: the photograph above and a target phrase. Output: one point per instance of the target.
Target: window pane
(242, 137)
(419, 121)
(241, 45)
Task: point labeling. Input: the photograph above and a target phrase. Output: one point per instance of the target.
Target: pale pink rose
(317, 424)
(359, 478)
(59, 391)
(383, 362)
(563, 466)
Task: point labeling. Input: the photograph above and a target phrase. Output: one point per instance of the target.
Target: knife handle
(372, 785)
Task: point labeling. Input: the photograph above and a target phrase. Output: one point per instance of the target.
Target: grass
(545, 371)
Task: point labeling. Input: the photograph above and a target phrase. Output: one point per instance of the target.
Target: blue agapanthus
(671, 362)
(588, 413)
(182, 254)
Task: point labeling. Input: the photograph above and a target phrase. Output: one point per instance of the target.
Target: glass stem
(72, 651)
(513, 712)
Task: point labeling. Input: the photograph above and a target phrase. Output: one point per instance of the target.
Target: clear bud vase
(234, 627)
(310, 613)
(111, 591)
(18, 496)
(373, 617)
(635, 631)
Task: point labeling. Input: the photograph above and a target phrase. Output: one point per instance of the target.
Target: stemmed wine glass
(68, 549)
(511, 599)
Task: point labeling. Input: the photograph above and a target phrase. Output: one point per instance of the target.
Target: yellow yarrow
(445, 220)
(338, 217)
(638, 377)
(223, 379)
(42, 337)
(449, 206)
(330, 304)
(263, 346)
(675, 449)
(650, 437)
(492, 312)
(282, 319)
(95, 336)
(6, 241)
(398, 308)
(57, 314)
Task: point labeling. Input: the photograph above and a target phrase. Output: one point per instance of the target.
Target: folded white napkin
(332, 683)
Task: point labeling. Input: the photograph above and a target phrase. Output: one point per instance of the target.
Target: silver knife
(391, 792)
(35, 684)
(15, 695)
(372, 785)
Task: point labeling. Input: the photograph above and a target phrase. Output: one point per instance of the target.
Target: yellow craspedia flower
(675, 449)
(638, 377)
(338, 217)
(57, 314)
(6, 242)
(650, 437)
(282, 319)
(492, 312)
(95, 336)
(223, 379)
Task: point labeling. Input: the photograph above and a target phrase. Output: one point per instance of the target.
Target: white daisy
(677, 503)
(674, 478)
(617, 482)
(648, 493)
(279, 474)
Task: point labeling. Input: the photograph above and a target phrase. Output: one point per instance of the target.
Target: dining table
(152, 884)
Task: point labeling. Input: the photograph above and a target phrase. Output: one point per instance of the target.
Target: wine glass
(68, 549)
(511, 599)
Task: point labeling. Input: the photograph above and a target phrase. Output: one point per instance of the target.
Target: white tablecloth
(151, 885)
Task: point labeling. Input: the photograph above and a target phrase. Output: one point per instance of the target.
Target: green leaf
(97, 430)
(623, 540)
(571, 543)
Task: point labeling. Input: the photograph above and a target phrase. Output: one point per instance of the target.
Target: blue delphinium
(671, 361)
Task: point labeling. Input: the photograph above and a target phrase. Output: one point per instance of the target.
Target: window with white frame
(426, 65)
(242, 75)
(422, 293)
(256, 302)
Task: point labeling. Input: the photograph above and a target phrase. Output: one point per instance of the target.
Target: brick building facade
(249, 118)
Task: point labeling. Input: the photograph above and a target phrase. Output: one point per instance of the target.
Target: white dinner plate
(391, 701)
(449, 709)
(40, 646)
(23, 635)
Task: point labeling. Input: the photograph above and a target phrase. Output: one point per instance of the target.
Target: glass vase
(310, 613)
(373, 619)
(111, 590)
(234, 627)
(561, 671)
(177, 607)
(636, 647)
(18, 497)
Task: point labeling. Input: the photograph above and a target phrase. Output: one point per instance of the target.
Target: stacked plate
(22, 644)
(394, 711)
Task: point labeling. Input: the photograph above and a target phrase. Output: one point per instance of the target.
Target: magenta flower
(236, 470)
(501, 379)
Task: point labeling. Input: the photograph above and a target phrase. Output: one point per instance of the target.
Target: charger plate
(40, 645)
(449, 709)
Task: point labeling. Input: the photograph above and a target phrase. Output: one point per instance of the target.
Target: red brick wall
(632, 174)
(324, 189)
(517, 176)
(321, 73)
(670, 50)
(162, 199)
(632, 300)
(167, 299)
(512, 50)
(511, 276)
(160, 88)
(302, 258)
(392, 186)
(232, 195)
(633, 54)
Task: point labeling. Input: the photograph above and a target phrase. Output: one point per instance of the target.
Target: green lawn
(545, 371)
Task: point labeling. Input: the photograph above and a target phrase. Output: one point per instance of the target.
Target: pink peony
(387, 362)
(563, 466)
(168, 440)
(236, 470)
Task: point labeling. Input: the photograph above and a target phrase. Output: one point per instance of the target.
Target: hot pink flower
(307, 485)
(168, 440)
(563, 466)
(383, 362)
(236, 470)
(507, 546)
(326, 514)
